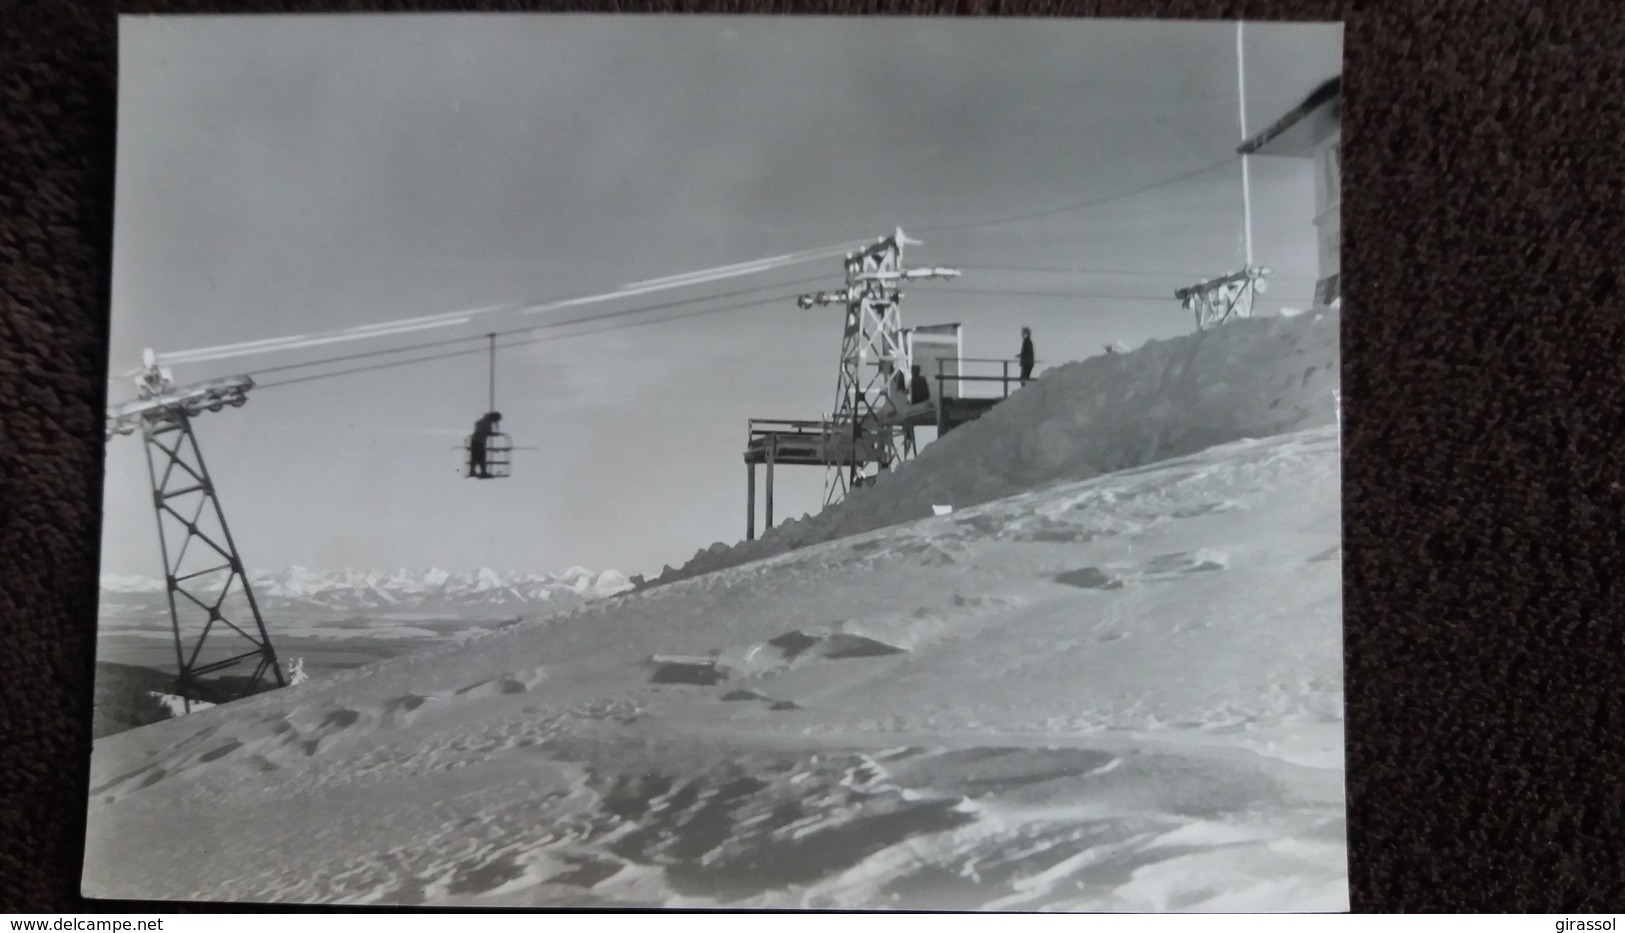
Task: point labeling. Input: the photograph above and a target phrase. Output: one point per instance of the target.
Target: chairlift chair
(498, 456)
(497, 447)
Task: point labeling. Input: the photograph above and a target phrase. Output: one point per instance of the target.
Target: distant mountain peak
(401, 588)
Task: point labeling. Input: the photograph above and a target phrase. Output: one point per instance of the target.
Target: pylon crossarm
(170, 403)
(909, 275)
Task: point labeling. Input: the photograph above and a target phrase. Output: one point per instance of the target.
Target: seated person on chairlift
(483, 429)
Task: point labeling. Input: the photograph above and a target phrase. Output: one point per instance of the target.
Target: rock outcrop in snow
(1249, 378)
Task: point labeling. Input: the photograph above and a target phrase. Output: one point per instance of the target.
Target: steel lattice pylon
(216, 621)
(1229, 296)
(873, 334)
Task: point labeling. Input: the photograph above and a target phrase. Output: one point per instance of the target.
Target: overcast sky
(281, 175)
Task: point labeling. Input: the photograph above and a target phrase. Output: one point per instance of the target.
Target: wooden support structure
(772, 448)
(750, 500)
(774, 443)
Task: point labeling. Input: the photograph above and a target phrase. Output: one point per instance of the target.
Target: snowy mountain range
(406, 588)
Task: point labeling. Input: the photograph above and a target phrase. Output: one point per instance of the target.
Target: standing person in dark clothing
(919, 388)
(1026, 356)
(917, 394)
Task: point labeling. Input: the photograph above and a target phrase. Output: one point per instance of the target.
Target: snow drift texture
(1090, 692)
(1247, 379)
(1123, 693)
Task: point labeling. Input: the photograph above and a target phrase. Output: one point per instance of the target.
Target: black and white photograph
(721, 461)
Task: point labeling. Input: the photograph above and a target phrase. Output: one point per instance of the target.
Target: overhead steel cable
(1123, 273)
(450, 341)
(1053, 294)
(454, 318)
(534, 340)
(1080, 205)
(623, 326)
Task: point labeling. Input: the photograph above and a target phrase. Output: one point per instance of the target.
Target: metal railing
(759, 427)
(1009, 372)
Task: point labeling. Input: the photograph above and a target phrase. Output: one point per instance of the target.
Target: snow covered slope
(1110, 693)
(1247, 379)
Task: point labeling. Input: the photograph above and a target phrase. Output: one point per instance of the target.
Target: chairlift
(488, 451)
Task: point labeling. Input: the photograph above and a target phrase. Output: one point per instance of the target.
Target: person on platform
(1026, 355)
(477, 445)
(909, 393)
(919, 387)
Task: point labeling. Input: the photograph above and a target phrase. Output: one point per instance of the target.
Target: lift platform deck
(781, 442)
(784, 442)
(954, 407)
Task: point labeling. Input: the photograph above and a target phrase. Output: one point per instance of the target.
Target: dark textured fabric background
(1484, 341)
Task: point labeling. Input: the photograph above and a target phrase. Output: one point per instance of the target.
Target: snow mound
(1249, 379)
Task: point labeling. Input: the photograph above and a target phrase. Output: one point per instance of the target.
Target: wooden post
(772, 449)
(750, 499)
(942, 405)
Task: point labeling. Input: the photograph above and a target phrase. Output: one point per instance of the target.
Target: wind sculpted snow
(1247, 379)
(1110, 693)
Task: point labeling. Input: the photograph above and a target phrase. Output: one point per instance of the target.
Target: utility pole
(1231, 296)
(873, 333)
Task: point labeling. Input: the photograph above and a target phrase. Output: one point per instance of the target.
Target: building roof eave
(1328, 92)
